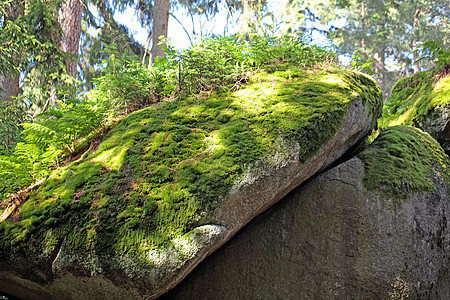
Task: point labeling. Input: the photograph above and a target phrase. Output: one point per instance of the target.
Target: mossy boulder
(173, 182)
(423, 101)
(345, 234)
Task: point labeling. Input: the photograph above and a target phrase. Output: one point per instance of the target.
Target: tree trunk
(70, 22)
(363, 27)
(245, 17)
(160, 22)
(380, 71)
(414, 42)
(9, 84)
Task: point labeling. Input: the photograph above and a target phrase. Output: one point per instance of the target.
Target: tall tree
(43, 67)
(9, 81)
(99, 28)
(420, 21)
(160, 26)
(70, 22)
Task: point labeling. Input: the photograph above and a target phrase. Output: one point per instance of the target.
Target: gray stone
(333, 239)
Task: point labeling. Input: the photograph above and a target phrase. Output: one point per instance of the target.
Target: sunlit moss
(163, 169)
(441, 92)
(404, 160)
(413, 97)
(334, 79)
(112, 154)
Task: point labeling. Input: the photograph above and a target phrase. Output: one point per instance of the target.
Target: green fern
(50, 138)
(434, 51)
(38, 133)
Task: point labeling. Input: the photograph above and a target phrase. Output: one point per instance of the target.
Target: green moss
(161, 170)
(404, 160)
(413, 97)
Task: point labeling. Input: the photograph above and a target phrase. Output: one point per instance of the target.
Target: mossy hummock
(404, 160)
(413, 97)
(162, 170)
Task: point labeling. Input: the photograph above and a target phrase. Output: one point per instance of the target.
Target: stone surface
(333, 239)
(68, 280)
(271, 178)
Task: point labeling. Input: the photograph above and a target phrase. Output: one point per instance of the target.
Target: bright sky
(177, 34)
(217, 25)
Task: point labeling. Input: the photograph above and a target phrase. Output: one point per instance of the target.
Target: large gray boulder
(95, 232)
(346, 234)
(264, 184)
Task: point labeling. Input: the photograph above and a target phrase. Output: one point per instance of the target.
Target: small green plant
(225, 62)
(362, 65)
(46, 141)
(437, 52)
(212, 64)
(61, 126)
(125, 85)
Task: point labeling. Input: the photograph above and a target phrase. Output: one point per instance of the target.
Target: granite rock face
(69, 279)
(333, 239)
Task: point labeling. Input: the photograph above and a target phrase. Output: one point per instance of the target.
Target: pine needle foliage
(12, 113)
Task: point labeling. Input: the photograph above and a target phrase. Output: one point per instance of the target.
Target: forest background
(69, 68)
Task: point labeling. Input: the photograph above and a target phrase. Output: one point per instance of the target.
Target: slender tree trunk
(70, 22)
(380, 70)
(245, 17)
(363, 26)
(160, 24)
(9, 84)
(9, 87)
(414, 42)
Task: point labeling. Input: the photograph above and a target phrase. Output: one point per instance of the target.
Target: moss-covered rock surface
(138, 200)
(403, 160)
(421, 100)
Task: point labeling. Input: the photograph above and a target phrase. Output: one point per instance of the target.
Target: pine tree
(70, 22)
(386, 31)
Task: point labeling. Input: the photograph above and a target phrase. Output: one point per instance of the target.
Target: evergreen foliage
(12, 114)
(29, 48)
(388, 32)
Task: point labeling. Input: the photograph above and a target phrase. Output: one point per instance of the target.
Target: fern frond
(38, 133)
